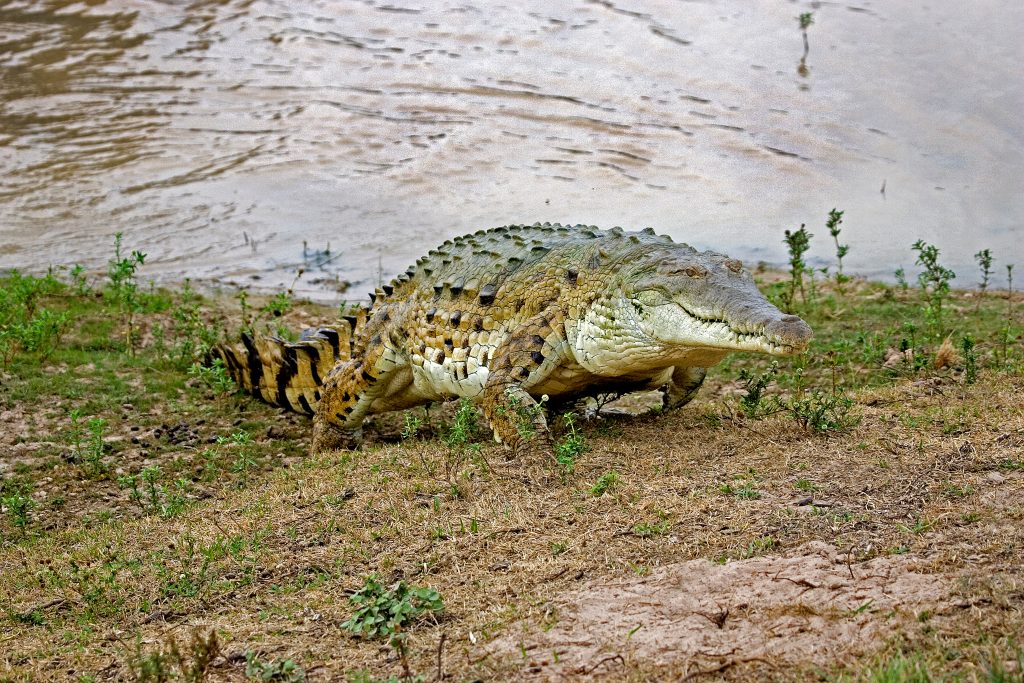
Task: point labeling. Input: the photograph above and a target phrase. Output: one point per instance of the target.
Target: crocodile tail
(283, 373)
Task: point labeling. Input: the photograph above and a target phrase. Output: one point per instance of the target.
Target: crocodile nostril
(790, 318)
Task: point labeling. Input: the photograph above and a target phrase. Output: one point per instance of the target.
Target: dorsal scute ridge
(506, 248)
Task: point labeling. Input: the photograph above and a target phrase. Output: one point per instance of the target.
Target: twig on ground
(440, 655)
(611, 658)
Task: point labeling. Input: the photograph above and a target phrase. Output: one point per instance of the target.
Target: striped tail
(282, 373)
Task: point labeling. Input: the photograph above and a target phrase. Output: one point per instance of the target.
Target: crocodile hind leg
(348, 394)
(683, 386)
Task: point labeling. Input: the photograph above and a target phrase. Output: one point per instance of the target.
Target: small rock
(995, 478)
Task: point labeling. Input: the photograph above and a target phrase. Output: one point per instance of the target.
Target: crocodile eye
(734, 265)
(689, 271)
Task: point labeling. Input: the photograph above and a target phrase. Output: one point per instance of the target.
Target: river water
(239, 140)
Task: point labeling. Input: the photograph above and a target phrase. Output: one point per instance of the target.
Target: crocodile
(511, 315)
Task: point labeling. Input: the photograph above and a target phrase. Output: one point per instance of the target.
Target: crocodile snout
(789, 330)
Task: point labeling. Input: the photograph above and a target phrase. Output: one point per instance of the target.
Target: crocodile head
(703, 304)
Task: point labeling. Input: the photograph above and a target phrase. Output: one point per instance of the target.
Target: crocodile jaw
(770, 331)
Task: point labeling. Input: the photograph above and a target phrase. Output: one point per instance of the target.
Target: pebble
(995, 478)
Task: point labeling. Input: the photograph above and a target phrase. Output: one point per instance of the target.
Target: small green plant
(919, 526)
(967, 345)
(527, 414)
(798, 242)
(908, 343)
(745, 491)
(25, 327)
(150, 475)
(835, 218)
(161, 499)
(383, 611)
(754, 385)
(282, 671)
(131, 481)
(805, 19)
(193, 337)
(824, 412)
(169, 663)
(466, 425)
(215, 376)
(245, 457)
(571, 446)
(278, 305)
(901, 279)
(984, 259)
(805, 485)
(17, 506)
(759, 546)
(123, 289)
(411, 426)
(658, 527)
(1006, 333)
(89, 453)
(79, 280)
(934, 282)
(606, 482)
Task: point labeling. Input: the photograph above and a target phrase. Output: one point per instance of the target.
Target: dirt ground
(807, 607)
(695, 545)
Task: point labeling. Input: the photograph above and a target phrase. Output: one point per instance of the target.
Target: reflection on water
(243, 138)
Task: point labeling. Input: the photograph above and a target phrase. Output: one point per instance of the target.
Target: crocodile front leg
(517, 419)
(683, 386)
(525, 358)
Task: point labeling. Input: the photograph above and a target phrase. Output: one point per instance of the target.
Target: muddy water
(225, 137)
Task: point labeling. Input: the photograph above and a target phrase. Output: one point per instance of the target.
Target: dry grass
(270, 568)
(692, 545)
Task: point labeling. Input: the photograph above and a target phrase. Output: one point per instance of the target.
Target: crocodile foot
(328, 437)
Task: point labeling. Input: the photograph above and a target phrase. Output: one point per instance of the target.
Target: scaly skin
(508, 315)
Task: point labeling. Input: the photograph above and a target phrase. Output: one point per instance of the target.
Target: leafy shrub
(194, 338)
(24, 326)
(215, 376)
(466, 425)
(123, 290)
(970, 359)
(934, 282)
(571, 446)
(835, 218)
(754, 386)
(824, 412)
(382, 611)
(798, 242)
(285, 671)
(170, 663)
(17, 506)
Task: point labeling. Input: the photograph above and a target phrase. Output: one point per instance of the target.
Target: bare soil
(807, 607)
